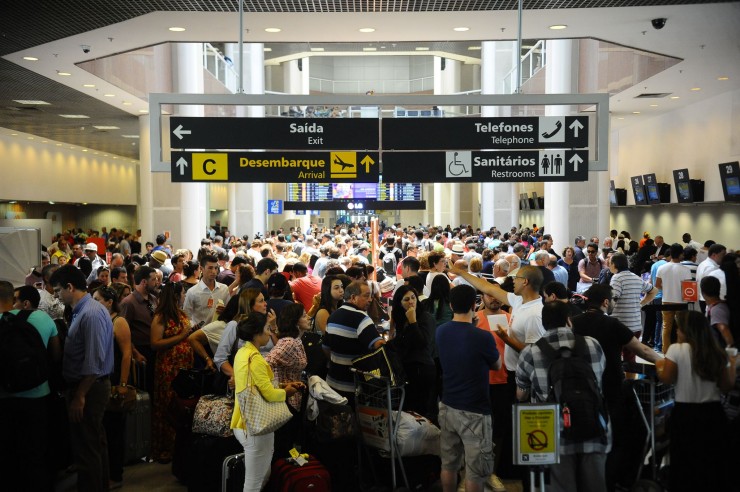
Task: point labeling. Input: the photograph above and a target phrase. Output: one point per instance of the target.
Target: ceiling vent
(653, 95)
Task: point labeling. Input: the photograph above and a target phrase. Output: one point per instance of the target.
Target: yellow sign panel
(537, 434)
(343, 165)
(211, 167)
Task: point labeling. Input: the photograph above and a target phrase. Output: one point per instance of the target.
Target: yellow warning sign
(343, 165)
(211, 167)
(537, 433)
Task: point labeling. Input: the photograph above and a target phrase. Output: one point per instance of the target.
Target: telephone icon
(558, 126)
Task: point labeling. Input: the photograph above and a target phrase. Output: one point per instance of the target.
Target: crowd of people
(239, 308)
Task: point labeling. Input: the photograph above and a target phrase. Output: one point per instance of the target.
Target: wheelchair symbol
(456, 167)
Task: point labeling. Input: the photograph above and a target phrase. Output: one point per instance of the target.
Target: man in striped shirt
(350, 333)
(628, 290)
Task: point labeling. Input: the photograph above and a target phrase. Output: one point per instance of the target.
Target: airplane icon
(338, 161)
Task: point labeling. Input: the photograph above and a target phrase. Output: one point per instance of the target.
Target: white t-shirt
(525, 325)
(671, 274)
(690, 388)
(213, 332)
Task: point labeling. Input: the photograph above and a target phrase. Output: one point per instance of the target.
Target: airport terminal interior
(653, 86)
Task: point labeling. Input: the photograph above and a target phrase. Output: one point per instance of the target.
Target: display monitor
(365, 191)
(639, 195)
(653, 195)
(684, 192)
(341, 191)
(613, 197)
(733, 186)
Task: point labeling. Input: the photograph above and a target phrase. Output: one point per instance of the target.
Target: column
(247, 201)
(572, 209)
(499, 202)
(187, 76)
(145, 210)
(447, 81)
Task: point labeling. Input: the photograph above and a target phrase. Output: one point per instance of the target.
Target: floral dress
(168, 363)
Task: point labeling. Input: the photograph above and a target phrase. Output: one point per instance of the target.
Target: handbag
(312, 344)
(260, 416)
(212, 416)
(376, 310)
(382, 362)
(126, 402)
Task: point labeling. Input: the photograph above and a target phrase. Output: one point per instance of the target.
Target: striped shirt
(627, 289)
(88, 349)
(350, 333)
(531, 375)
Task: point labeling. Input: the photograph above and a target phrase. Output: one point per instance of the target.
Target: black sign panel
(638, 190)
(273, 133)
(683, 186)
(730, 174)
(357, 206)
(275, 167)
(548, 132)
(493, 166)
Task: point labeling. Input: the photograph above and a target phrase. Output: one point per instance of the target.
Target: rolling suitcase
(139, 421)
(232, 473)
(205, 461)
(286, 476)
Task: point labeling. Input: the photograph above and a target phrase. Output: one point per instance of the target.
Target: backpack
(390, 263)
(23, 359)
(572, 384)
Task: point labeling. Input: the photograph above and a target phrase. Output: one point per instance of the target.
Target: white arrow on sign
(179, 132)
(182, 164)
(575, 126)
(575, 160)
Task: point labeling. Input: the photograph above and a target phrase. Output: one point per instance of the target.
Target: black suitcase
(139, 421)
(232, 473)
(181, 414)
(205, 461)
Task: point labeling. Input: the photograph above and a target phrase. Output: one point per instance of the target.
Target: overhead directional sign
(549, 132)
(486, 166)
(274, 133)
(275, 167)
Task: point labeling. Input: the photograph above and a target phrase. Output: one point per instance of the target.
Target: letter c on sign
(205, 169)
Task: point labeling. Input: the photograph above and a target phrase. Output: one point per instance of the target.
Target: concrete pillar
(499, 202)
(247, 201)
(145, 211)
(572, 209)
(447, 81)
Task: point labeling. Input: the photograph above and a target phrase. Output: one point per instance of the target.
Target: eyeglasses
(591, 252)
(520, 276)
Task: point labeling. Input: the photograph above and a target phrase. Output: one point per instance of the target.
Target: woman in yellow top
(258, 450)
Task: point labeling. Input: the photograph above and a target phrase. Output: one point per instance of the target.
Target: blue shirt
(653, 274)
(88, 350)
(47, 329)
(561, 274)
(466, 354)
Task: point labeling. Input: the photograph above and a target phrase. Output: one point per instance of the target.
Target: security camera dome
(659, 23)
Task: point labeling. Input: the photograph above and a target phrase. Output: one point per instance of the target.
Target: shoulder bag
(259, 415)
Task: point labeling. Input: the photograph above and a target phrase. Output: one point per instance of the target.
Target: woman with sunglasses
(115, 422)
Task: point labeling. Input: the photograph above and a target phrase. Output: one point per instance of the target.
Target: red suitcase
(288, 477)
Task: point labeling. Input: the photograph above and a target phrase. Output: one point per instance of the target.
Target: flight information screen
(309, 192)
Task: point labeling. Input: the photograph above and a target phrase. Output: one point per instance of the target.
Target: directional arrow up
(367, 161)
(179, 132)
(182, 164)
(575, 126)
(575, 160)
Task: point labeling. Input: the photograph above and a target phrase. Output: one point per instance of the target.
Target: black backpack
(390, 262)
(572, 384)
(23, 359)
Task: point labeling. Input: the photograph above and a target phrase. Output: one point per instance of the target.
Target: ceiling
(703, 35)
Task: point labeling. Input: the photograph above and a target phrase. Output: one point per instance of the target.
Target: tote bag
(259, 415)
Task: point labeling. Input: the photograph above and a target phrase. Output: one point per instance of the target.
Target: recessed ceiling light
(126, 103)
(30, 101)
(51, 203)
(63, 74)
(89, 86)
(367, 29)
(266, 49)
(13, 201)
(675, 97)
(59, 145)
(106, 127)
(143, 111)
(422, 48)
(723, 78)
(635, 112)
(177, 29)
(558, 27)
(272, 29)
(369, 49)
(44, 141)
(474, 48)
(317, 49)
(84, 150)
(696, 89)
(653, 105)
(85, 203)
(74, 116)
(30, 58)
(109, 95)
(30, 138)
(461, 29)
(130, 136)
